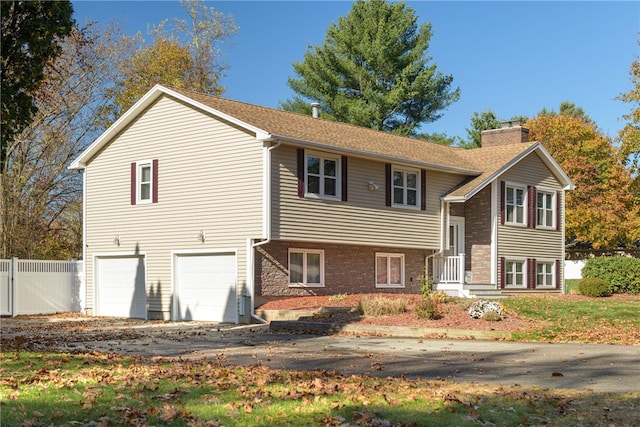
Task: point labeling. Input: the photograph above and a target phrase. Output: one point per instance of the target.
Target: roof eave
(550, 162)
(370, 154)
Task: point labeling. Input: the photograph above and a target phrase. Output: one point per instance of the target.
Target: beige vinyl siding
(527, 242)
(363, 218)
(210, 179)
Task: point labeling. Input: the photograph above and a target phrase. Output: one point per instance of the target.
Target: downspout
(266, 223)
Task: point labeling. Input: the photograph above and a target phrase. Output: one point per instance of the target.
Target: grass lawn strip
(39, 389)
(593, 320)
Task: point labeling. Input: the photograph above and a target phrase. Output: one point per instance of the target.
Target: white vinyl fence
(573, 268)
(40, 287)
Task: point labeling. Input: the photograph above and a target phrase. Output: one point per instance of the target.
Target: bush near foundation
(427, 309)
(595, 288)
(621, 273)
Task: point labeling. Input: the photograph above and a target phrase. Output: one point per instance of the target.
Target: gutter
(266, 225)
(387, 158)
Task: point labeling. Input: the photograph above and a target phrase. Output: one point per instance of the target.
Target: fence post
(13, 284)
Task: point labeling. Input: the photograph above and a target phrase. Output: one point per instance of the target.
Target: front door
(456, 235)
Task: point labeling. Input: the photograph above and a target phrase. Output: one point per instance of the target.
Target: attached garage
(120, 286)
(205, 287)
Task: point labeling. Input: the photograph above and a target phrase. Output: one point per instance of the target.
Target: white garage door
(205, 287)
(120, 287)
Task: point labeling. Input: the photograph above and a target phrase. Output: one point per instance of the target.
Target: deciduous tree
(373, 70)
(184, 53)
(629, 136)
(601, 210)
(42, 214)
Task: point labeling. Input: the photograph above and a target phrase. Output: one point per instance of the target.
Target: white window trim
(525, 201)
(554, 207)
(404, 170)
(553, 272)
(524, 273)
(402, 267)
(323, 156)
(139, 166)
(304, 268)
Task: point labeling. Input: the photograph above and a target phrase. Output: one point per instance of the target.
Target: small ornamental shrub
(622, 273)
(382, 306)
(427, 309)
(480, 307)
(441, 297)
(595, 288)
(491, 316)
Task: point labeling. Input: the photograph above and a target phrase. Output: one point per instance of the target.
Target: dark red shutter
(532, 206)
(503, 266)
(300, 172)
(154, 194)
(503, 190)
(559, 210)
(387, 184)
(423, 189)
(558, 272)
(133, 183)
(344, 178)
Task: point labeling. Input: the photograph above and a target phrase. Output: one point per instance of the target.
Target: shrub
(595, 288)
(440, 297)
(480, 307)
(622, 273)
(382, 306)
(426, 284)
(491, 316)
(427, 309)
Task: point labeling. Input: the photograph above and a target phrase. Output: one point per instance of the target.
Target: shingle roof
(341, 136)
(481, 165)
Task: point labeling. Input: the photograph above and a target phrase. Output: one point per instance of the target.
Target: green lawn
(598, 320)
(93, 389)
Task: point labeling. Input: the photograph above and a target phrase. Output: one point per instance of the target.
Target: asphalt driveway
(601, 368)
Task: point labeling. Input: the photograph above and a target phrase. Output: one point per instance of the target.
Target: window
(306, 267)
(514, 274)
(322, 174)
(144, 182)
(545, 212)
(545, 272)
(390, 270)
(514, 204)
(405, 187)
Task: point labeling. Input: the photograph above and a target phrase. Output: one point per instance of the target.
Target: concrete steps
(483, 291)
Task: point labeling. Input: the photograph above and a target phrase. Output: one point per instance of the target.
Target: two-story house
(196, 207)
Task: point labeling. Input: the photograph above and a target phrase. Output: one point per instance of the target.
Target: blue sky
(514, 58)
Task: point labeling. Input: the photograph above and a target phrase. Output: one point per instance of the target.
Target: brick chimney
(511, 132)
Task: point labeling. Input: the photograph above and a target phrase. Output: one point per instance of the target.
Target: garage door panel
(120, 287)
(205, 288)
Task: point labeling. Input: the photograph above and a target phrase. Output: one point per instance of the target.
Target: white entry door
(456, 235)
(205, 287)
